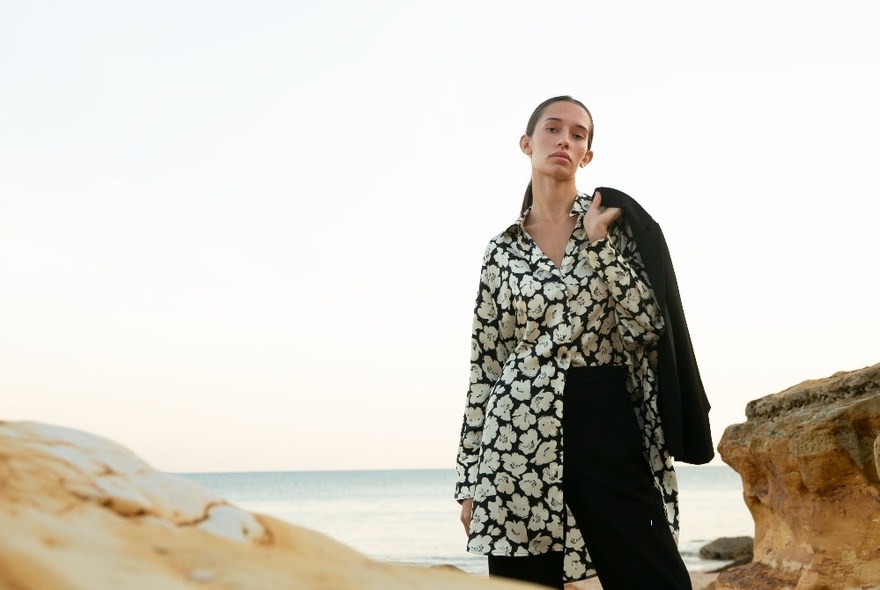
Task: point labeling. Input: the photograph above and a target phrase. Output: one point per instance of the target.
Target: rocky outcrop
(81, 512)
(728, 549)
(808, 458)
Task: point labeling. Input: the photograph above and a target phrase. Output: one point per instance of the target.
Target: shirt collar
(579, 207)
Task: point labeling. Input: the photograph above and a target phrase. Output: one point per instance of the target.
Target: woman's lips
(560, 155)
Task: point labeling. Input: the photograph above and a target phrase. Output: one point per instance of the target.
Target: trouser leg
(545, 569)
(610, 491)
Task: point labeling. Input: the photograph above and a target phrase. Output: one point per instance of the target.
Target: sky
(247, 236)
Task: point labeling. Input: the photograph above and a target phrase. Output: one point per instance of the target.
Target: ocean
(409, 516)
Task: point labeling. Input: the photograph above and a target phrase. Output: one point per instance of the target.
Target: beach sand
(699, 580)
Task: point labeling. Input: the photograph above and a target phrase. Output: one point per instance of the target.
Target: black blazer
(684, 407)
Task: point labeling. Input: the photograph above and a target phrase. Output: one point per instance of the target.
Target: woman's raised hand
(599, 219)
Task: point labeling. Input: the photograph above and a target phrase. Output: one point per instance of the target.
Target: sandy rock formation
(81, 512)
(808, 458)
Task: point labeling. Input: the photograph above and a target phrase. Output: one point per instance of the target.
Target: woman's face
(558, 146)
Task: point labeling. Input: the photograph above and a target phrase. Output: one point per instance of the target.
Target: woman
(572, 350)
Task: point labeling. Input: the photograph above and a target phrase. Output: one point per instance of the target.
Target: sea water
(409, 516)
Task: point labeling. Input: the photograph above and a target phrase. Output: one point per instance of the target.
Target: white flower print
(502, 409)
(528, 442)
(538, 520)
(562, 333)
(484, 489)
(490, 428)
(543, 377)
(574, 569)
(540, 544)
(524, 419)
(504, 483)
(598, 289)
(548, 427)
(557, 408)
(516, 531)
(497, 510)
(546, 452)
(670, 481)
(554, 499)
(503, 546)
(488, 337)
(519, 267)
(531, 485)
(487, 308)
(657, 459)
(514, 463)
(480, 543)
(491, 460)
(477, 374)
(507, 325)
(555, 291)
(479, 518)
(532, 331)
(520, 390)
(580, 304)
(501, 257)
(491, 367)
(616, 278)
(632, 302)
(505, 439)
(474, 415)
(530, 366)
(544, 346)
(605, 352)
(537, 306)
(554, 525)
(577, 537)
(528, 286)
(542, 401)
(471, 438)
(491, 272)
(519, 505)
(577, 327)
(554, 315)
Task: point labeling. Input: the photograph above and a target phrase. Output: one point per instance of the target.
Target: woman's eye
(578, 136)
(551, 129)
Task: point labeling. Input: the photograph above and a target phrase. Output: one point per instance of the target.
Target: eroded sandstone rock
(808, 458)
(80, 512)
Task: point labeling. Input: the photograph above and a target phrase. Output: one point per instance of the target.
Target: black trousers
(609, 489)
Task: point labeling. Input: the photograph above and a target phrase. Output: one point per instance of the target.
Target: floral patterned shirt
(534, 320)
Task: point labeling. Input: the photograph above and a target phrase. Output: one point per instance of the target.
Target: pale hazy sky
(247, 235)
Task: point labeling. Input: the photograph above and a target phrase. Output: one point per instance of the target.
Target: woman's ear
(588, 157)
(525, 144)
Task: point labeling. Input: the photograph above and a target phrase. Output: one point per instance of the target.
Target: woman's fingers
(612, 214)
(599, 218)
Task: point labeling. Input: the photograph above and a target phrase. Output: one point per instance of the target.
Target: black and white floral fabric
(534, 320)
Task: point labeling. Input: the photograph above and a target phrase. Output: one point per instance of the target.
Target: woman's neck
(552, 199)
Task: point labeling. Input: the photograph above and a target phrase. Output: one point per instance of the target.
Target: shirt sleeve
(617, 261)
(491, 343)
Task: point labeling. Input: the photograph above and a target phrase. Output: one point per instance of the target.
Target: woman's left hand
(599, 219)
